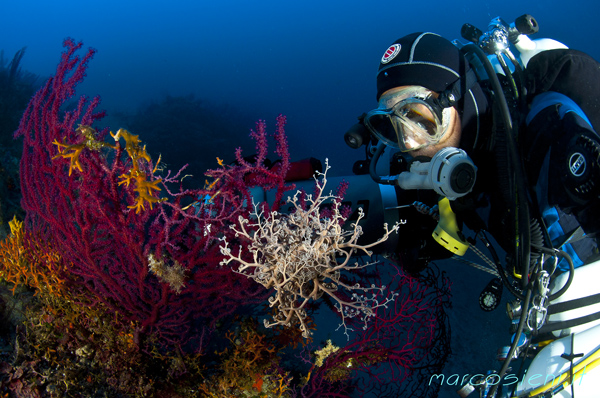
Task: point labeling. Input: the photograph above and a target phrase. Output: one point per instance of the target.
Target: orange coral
(132, 145)
(70, 152)
(249, 366)
(73, 151)
(258, 383)
(144, 187)
(31, 261)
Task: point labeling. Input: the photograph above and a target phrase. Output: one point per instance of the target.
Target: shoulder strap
(569, 72)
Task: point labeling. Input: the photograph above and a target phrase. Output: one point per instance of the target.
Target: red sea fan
(108, 230)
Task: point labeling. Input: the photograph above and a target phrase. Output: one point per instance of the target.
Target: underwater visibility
(143, 287)
(260, 269)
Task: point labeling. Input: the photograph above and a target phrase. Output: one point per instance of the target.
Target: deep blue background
(314, 61)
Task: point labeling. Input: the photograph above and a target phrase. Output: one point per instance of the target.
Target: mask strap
(452, 94)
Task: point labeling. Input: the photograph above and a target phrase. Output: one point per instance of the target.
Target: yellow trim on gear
(447, 233)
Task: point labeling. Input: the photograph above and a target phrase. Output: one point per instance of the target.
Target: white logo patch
(577, 164)
(390, 53)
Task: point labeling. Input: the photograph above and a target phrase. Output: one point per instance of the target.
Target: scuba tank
(568, 365)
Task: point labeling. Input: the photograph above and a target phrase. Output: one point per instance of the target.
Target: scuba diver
(499, 135)
(432, 96)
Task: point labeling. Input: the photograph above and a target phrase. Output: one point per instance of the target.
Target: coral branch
(297, 255)
(97, 204)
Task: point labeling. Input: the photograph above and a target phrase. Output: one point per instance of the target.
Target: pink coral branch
(107, 244)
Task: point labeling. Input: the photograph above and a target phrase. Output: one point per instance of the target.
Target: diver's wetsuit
(560, 151)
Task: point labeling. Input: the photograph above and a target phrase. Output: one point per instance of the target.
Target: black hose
(521, 208)
(508, 74)
(569, 260)
(563, 289)
(519, 73)
(537, 240)
(500, 268)
(515, 343)
(373, 164)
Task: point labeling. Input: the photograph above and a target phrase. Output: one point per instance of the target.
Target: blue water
(314, 61)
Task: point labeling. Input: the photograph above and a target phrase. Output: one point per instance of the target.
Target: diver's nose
(406, 141)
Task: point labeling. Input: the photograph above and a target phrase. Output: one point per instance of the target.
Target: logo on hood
(390, 53)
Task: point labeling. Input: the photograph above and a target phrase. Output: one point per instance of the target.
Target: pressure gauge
(490, 297)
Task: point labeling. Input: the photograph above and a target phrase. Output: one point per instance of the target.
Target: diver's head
(424, 94)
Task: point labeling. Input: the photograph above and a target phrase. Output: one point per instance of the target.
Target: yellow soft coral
(16, 228)
(70, 152)
(324, 352)
(132, 145)
(144, 187)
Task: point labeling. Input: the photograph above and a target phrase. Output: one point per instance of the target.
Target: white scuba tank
(585, 283)
(527, 49)
(548, 366)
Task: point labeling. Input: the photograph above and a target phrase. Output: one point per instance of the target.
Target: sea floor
(476, 335)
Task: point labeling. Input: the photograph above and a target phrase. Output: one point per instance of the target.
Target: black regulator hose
(522, 98)
(373, 167)
(522, 233)
(499, 267)
(569, 260)
(563, 289)
(507, 73)
(513, 347)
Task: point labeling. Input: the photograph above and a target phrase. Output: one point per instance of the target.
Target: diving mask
(408, 118)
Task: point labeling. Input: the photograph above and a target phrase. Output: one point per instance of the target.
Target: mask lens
(410, 123)
(382, 123)
(420, 116)
(410, 136)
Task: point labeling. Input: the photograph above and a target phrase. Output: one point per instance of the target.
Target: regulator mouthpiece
(450, 173)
